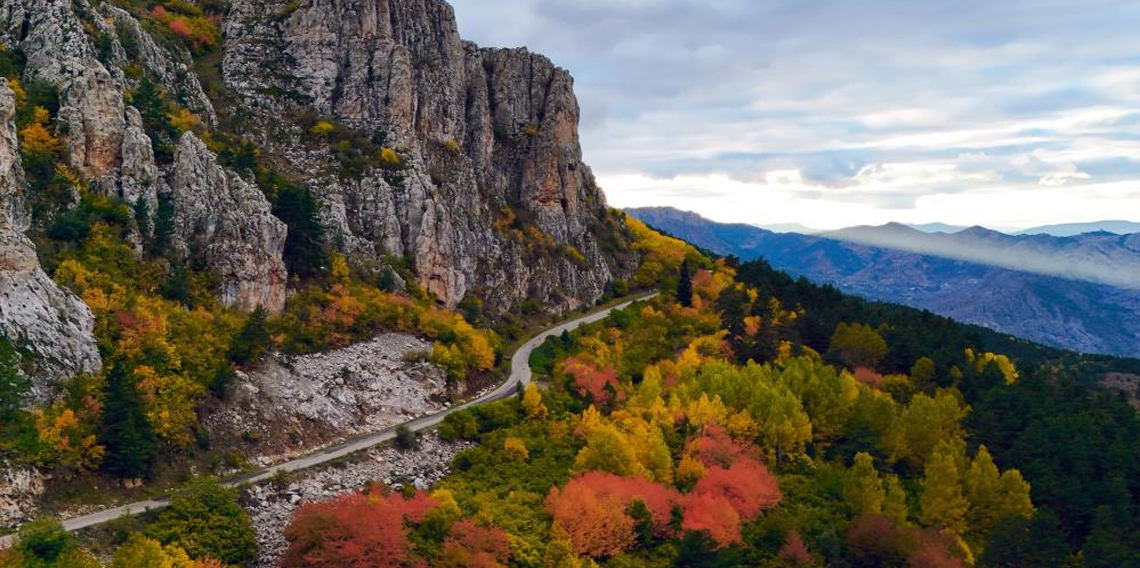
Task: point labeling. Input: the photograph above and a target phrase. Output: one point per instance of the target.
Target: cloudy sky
(830, 113)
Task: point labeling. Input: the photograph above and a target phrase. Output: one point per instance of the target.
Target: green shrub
(75, 225)
(406, 439)
(206, 520)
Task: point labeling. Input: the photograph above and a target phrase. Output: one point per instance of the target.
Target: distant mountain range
(1073, 229)
(1104, 258)
(1066, 230)
(1023, 294)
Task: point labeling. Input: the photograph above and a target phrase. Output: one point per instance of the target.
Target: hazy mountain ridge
(1102, 257)
(1084, 316)
(1074, 229)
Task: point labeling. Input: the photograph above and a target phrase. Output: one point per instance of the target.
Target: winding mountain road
(520, 375)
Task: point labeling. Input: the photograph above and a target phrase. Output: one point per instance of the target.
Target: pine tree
(14, 385)
(163, 227)
(643, 522)
(685, 285)
(253, 340)
(124, 432)
(865, 494)
(304, 252)
(943, 505)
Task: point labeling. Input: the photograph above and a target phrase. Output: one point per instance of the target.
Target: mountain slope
(1103, 258)
(1083, 316)
(219, 124)
(1074, 229)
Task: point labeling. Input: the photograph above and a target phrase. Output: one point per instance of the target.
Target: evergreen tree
(124, 432)
(643, 519)
(1017, 542)
(699, 550)
(685, 285)
(163, 228)
(864, 491)
(14, 385)
(141, 212)
(943, 505)
(149, 99)
(304, 251)
(387, 279)
(253, 341)
(176, 287)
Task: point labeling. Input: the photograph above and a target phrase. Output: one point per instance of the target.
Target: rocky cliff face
(484, 134)
(488, 196)
(227, 222)
(34, 313)
(226, 219)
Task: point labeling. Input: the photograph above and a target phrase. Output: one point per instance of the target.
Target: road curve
(520, 375)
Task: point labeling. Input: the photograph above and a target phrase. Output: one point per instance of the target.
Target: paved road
(520, 375)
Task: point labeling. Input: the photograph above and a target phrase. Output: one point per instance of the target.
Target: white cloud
(836, 112)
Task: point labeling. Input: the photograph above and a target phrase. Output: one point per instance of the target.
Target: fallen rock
(289, 405)
(271, 508)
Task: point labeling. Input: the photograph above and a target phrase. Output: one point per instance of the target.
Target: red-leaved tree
(181, 29)
(716, 448)
(747, 485)
(795, 551)
(712, 514)
(590, 381)
(469, 545)
(594, 510)
(355, 531)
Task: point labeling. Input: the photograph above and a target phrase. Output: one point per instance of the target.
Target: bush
(44, 544)
(206, 520)
(462, 425)
(406, 439)
(75, 225)
(253, 341)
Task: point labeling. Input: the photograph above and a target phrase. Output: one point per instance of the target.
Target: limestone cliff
(481, 191)
(35, 314)
(107, 143)
(229, 222)
(487, 135)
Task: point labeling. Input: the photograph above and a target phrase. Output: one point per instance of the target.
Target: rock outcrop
(486, 136)
(20, 490)
(35, 314)
(106, 140)
(488, 196)
(226, 222)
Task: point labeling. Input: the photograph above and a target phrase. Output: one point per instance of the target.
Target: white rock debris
(289, 406)
(272, 507)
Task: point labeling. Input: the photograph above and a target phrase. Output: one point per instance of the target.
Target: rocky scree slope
(484, 192)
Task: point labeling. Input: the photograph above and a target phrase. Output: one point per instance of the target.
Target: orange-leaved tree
(594, 510)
